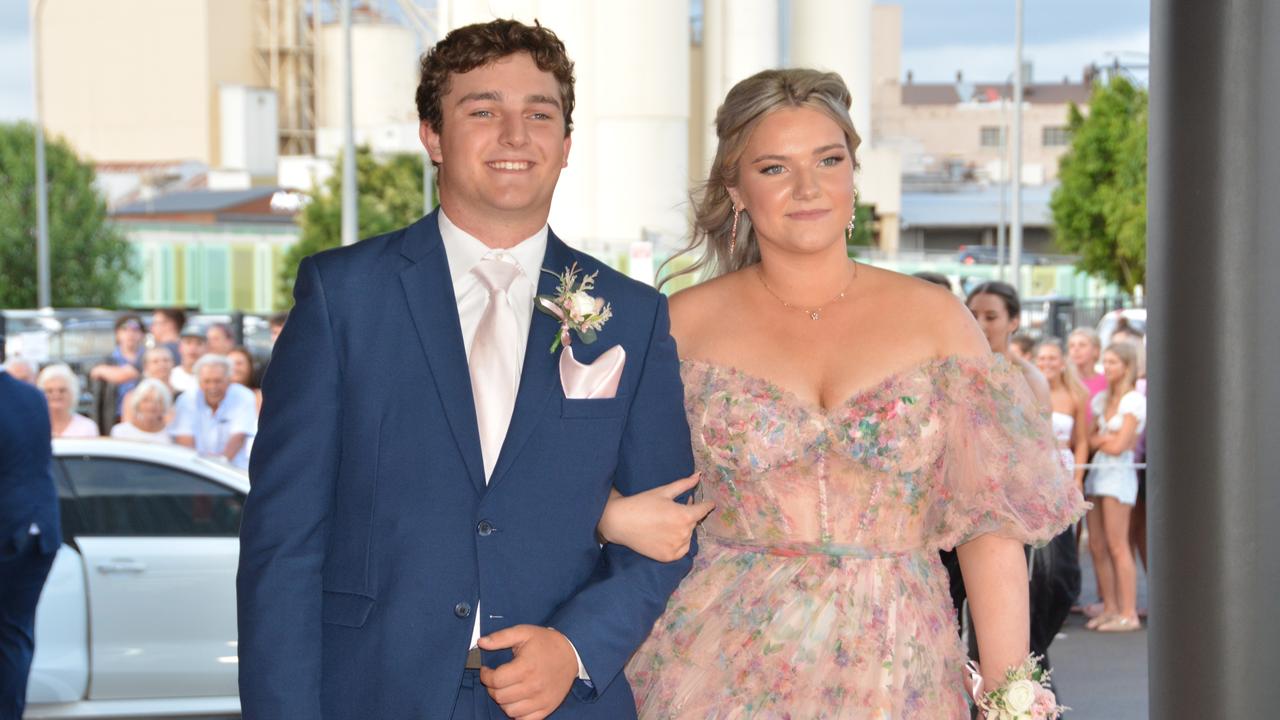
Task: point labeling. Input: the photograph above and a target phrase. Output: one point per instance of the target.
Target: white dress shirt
(464, 252)
(212, 429)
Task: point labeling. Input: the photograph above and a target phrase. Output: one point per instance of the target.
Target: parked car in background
(1135, 317)
(977, 255)
(138, 616)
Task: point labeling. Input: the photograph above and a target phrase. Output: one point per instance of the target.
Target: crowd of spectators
(171, 384)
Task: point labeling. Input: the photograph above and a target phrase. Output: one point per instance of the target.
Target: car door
(160, 551)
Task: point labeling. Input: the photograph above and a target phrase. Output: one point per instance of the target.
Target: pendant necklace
(816, 312)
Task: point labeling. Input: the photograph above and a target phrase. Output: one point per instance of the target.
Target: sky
(939, 37)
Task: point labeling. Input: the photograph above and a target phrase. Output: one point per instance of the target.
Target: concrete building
(957, 131)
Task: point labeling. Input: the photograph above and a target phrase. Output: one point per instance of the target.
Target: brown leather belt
(473, 659)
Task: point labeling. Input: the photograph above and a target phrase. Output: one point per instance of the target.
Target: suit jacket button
(485, 528)
(462, 610)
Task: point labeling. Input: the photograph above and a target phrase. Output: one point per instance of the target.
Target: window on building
(1056, 136)
(990, 136)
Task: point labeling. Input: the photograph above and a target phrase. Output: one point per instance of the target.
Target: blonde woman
(61, 389)
(1112, 484)
(1070, 400)
(848, 422)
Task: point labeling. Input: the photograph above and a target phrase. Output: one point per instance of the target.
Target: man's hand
(533, 685)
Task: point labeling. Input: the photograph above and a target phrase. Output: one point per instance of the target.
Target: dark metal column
(1214, 289)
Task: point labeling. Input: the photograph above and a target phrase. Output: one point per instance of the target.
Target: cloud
(1051, 61)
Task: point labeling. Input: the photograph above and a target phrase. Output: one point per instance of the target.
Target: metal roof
(975, 206)
(195, 201)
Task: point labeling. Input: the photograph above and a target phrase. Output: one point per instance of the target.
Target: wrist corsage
(1024, 694)
(574, 307)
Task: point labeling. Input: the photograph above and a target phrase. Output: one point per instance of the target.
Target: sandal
(1098, 620)
(1119, 624)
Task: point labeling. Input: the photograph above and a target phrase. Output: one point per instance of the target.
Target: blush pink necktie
(493, 361)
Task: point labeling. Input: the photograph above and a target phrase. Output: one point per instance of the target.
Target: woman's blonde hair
(744, 107)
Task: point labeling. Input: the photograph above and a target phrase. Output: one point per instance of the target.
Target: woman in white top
(1112, 484)
(61, 389)
(1069, 399)
(146, 406)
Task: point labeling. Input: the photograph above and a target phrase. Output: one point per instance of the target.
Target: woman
(998, 310)
(1084, 347)
(1112, 482)
(242, 371)
(62, 389)
(833, 409)
(147, 407)
(157, 364)
(1070, 401)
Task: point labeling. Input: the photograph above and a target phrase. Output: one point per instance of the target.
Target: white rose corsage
(573, 305)
(1024, 694)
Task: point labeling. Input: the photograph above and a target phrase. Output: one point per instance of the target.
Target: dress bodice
(1063, 424)
(928, 457)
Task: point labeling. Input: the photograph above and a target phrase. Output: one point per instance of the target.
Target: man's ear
(568, 143)
(431, 141)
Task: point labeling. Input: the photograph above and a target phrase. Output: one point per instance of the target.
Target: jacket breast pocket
(596, 408)
(345, 609)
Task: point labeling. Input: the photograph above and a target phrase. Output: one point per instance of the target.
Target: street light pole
(1015, 231)
(350, 218)
(43, 294)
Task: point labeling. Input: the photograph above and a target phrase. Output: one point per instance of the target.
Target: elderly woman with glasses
(61, 389)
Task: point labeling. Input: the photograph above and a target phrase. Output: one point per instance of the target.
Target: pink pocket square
(599, 380)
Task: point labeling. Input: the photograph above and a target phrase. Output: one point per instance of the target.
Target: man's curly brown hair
(473, 46)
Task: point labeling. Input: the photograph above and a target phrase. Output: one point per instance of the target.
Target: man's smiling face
(502, 145)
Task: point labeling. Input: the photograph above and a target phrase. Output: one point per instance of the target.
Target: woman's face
(58, 395)
(1049, 360)
(795, 181)
(158, 366)
(993, 317)
(1113, 368)
(1083, 353)
(149, 412)
(239, 368)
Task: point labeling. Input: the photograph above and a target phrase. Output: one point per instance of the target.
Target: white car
(138, 616)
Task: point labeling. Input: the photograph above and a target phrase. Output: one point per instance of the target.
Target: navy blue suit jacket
(369, 534)
(27, 494)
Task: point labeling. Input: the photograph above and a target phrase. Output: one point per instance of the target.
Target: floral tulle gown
(817, 591)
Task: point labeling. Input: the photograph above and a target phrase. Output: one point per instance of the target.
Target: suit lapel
(539, 376)
(428, 289)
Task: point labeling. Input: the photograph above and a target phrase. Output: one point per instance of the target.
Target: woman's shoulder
(695, 308)
(81, 426)
(926, 309)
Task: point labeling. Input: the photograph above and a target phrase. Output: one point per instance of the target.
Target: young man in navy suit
(29, 531)
(419, 541)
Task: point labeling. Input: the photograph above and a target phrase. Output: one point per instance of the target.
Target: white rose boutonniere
(575, 307)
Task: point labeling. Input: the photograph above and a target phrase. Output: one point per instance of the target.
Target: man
(220, 339)
(123, 367)
(29, 531)
(420, 537)
(166, 326)
(20, 368)
(220, 418)
(191, 347)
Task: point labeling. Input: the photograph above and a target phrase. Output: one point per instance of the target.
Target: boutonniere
(574, 306)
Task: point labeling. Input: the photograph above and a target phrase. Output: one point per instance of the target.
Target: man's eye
(481, 113)
(540, 116)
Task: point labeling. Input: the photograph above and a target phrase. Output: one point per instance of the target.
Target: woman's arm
(1080, 441)
(651, 523)
(995, 578)
(1126, 438)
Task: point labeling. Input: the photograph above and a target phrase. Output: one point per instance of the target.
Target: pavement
(1101, 676)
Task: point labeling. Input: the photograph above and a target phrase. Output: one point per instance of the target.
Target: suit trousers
(22, 577)
(474, 702)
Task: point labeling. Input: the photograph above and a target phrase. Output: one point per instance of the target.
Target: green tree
(89, 259)
(1100, 206)
(389, 197)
